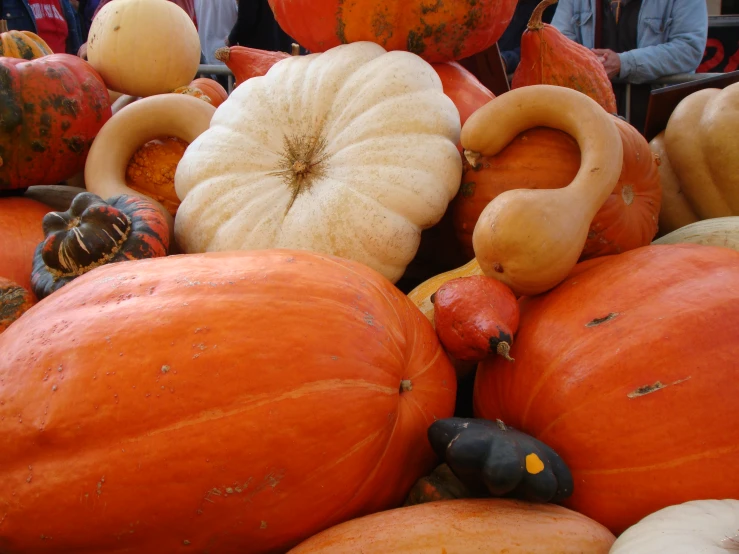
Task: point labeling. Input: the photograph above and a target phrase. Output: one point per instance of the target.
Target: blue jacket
(20, 18)
(671, 35)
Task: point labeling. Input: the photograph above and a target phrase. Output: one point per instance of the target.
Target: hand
(75, 5)
(82, 52)
(610, 60)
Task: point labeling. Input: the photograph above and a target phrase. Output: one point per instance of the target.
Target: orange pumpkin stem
(295, 51)
(3, 26)
(503, 350)
(535, 21)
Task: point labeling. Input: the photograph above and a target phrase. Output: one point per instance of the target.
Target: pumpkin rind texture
(350, 153)
(261, 396)
(94, 232)
(493, 459)
(466, 526)
(21, 224)
(144, 47)
(22, 44)
(51, 108)
(705, 526)
(628, 371)
(550, 58)
(437, 31)
(14, 302)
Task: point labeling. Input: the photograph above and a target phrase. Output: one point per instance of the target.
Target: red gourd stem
(535, 22)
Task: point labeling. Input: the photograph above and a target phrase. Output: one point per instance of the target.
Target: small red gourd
(208, 89)
(51, 109)
(94, 232)
(550, 58)
(474, 317)
(14, 302)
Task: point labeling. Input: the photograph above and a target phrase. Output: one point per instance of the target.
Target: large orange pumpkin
(465, 90)
(224, 402)
(544, 158)
(437, 31)
(492, 526)
(628, 369)
(20, 234)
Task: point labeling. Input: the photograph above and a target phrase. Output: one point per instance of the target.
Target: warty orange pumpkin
(628, 370)
(437, 31)
(14, 302)
(254, 399)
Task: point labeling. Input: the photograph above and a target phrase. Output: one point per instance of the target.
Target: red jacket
(187, 5)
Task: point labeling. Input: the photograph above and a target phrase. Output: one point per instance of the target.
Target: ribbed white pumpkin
(144, 47)
(697, 527)
(351, 152)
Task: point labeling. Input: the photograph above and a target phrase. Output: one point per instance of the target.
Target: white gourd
(697, 527)
(351, 152)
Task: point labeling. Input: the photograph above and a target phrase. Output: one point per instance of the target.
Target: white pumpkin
(144, 47)
(351, 152)
(697, 527)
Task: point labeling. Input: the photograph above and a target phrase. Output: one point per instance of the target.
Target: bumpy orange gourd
(152, 168)
(628, 370)
(20, 233)
(438, 31)
(261, 396)
(544, 158)
(14, 302)
(550, 58)
(21, 44)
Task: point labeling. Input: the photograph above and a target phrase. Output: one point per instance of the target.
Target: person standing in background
(215, 18)
(86, 11)
(55, 21)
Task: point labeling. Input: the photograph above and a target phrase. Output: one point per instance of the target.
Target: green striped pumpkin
(21, 44)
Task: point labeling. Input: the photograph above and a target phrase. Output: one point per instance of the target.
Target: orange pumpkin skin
(544, 158)
(246, 63)
(466, 526)
(550, 58)
(261, 396)
(437, 31)
(212, 89)
(14, 302)
(628, 370)
(151, 170)
(20, 234)
(465, 90)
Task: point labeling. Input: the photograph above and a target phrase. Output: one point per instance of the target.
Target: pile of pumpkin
(204, 348)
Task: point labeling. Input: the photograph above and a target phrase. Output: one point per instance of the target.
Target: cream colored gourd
(697, 527)
(163, 115)
(675, 210)
(702, 142)
(144, 47)
(351, 152)
(719, 231)
(531, 239)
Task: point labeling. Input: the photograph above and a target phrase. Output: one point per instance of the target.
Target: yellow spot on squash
(534, 465)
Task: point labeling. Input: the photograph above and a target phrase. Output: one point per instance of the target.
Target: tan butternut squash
(675, 211)
(162, 115)
(718, 231)
(702, 142)
(531, 239)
